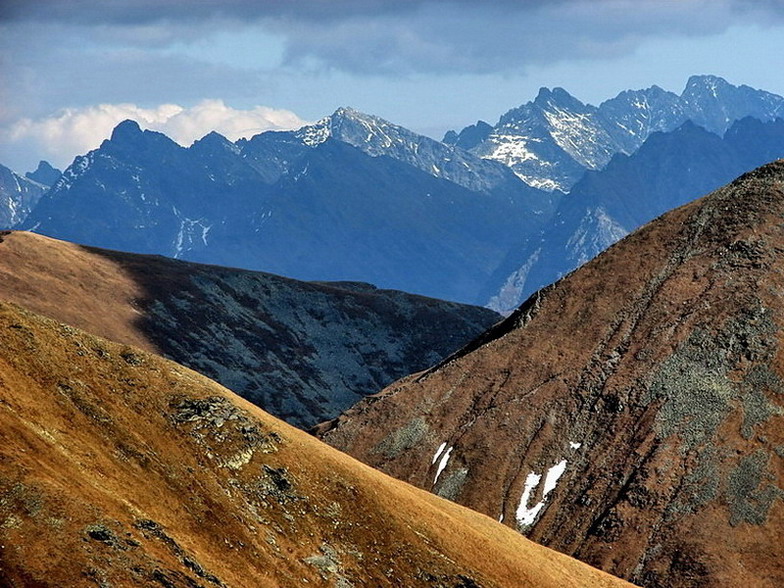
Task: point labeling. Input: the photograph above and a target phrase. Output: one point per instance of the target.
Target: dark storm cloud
(411, 36)
(145, 11)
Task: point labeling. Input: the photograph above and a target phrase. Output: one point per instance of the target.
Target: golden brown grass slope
(303, 351)
(120, 468)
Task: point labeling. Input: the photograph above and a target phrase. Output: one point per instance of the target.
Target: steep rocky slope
(631, 415)
(302, 351)
(18, 196)
(551, 141)
(119, 468)
(669, 170)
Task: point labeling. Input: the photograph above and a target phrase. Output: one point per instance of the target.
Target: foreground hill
(302, 351)
(119, 468)
(630, 415)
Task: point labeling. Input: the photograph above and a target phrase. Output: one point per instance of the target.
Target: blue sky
(71, 69)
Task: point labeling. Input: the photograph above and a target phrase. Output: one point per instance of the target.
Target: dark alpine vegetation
(560, 335)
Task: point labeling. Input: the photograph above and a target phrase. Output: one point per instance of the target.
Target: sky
(70, 70)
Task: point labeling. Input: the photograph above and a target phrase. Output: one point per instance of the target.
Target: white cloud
(70, 132)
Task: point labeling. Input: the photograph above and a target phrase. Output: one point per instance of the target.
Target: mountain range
(354, 197)
(668, 170)
(551, 141)
(302, 351)
(629, 415)
(301, 204)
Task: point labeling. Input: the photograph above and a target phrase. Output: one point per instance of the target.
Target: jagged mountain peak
(129, 137)
(557, 95)
(44, 174)
(331, 125)
(469, 137)
(127, 130)
(214, 141)
(350, 112)
(379, 137)
(706, 81)
(551, 141)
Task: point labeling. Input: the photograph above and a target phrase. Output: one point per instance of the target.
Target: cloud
(415, 36)
(146, 11)
(71, 132)
(503, 37)
(402, 37)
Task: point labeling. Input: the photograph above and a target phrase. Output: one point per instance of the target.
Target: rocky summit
(302, 351)
(352, 197)
(551, 141)
(120, 468)
(667, 171)
(631, 415)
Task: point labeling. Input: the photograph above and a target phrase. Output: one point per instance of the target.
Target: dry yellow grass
(67, 282)
(120, 468)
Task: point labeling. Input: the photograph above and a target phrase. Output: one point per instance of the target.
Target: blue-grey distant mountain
(469, 137)
(551, 141)
(18, 196)
(669, 170)
(44, 174)
(351, 197)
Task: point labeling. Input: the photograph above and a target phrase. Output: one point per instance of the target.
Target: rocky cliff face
(631, 415)
(120, 468)
(551, 141)
(18, 197)
(669, 170)
(302, 351)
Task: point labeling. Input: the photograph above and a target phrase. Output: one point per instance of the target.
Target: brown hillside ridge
(630, 415)
(302, 351)
(120, 468)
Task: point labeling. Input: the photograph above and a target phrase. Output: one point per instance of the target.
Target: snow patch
(553, 475)
(526, 515)
(442, 464)
(573, 445)
(438, 452)
(317, 133)
(191, 230)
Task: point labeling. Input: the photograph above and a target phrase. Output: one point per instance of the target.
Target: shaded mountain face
(18, 196)
(669, 170)
(302, 351)
(469, 137)
(376, 137)
(631, 414)
(121, 468)
(551, 141)
(402, 212)
(44, 174)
